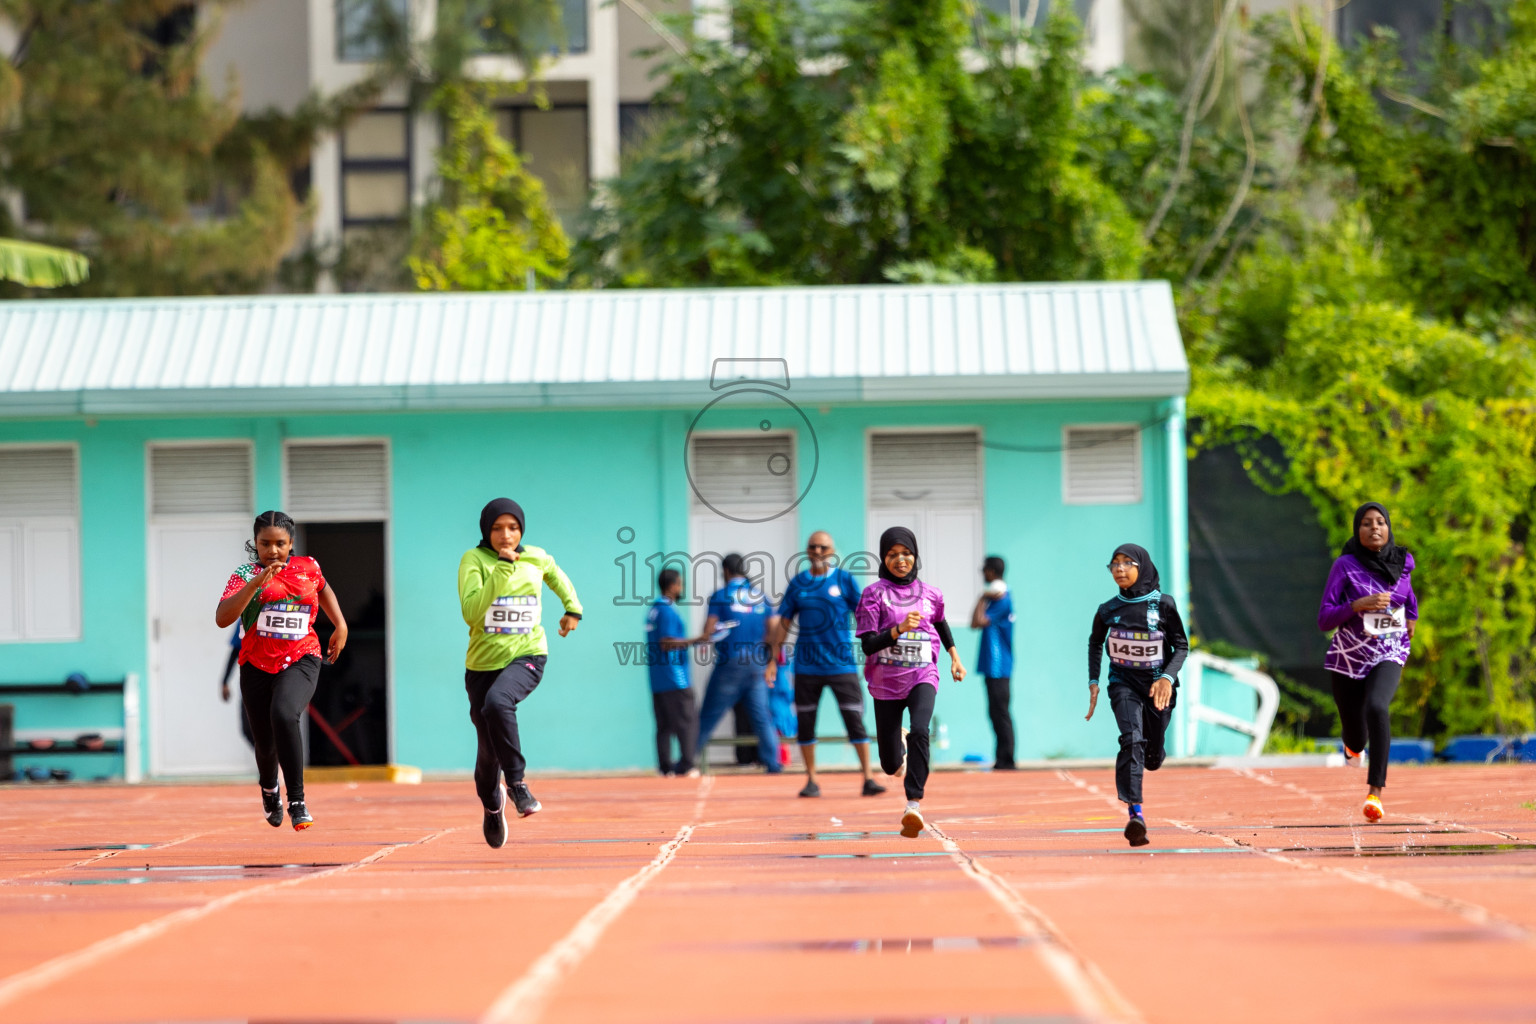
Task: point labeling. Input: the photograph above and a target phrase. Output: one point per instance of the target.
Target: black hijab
(889, 539)
(493, 511)
(1146, 578)
(1388, 563)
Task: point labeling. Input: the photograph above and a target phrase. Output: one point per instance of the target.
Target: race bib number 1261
(285, 620)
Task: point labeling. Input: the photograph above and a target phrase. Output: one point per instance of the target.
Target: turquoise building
(1042, 423)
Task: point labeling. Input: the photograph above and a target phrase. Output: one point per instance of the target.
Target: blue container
(1412, 751)
(1477, 749)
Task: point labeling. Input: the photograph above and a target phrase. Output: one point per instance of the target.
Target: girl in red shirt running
(276, 596)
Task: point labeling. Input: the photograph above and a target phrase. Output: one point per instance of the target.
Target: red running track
(729, 901)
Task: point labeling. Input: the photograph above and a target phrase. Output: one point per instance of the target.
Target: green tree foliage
(491, 222)
(115, 149)
(890, 160)
(1445, 163)
(1372, 401)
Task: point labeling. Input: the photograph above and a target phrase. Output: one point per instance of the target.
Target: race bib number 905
(910, 650)
(286, 620)
(513, 615)
(1131, 649)
(1393, 620)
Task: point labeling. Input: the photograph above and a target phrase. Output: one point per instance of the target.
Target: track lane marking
(26, 982)
(1091, 992)
(526, 999)
(1473, 913)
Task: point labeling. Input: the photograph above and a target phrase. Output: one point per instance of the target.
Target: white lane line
(1472, 829)
(49, 971)
(1093, 994)
(524, 1001)
(1471, 912)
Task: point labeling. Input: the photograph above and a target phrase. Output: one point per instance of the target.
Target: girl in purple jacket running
(1370, 603)
(900, 622)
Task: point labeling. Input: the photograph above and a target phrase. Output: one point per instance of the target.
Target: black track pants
(1365, 712)
(888, 713)
(275, 704)
(493, 701)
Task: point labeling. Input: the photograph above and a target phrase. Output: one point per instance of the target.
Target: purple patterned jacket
(1357, 648)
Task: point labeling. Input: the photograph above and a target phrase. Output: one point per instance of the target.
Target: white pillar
(603, 89)
(1106, 35)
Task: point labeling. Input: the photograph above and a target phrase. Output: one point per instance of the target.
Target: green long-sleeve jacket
(501, 603)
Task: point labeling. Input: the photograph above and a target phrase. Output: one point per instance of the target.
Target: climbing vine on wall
(1373, 402)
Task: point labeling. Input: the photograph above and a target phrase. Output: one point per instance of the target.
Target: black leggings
(493, 700)
(1143, 732)
(888, 735)
(274, 707)
(1365, 712)
(677, 717)
(999, 696)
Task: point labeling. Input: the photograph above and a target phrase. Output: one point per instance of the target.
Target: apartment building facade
(599, 89)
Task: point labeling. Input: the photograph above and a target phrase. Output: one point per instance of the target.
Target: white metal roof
(596, 348)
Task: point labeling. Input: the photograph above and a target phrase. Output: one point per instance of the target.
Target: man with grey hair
(822, 598)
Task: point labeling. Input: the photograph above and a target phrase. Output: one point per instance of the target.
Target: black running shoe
(272, 805)
(525, 801)
(811, 789)
(872, 788)
(1136, 831)
(495, 826)
(299, 815)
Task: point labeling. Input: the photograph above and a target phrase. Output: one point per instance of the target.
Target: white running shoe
(912, 822)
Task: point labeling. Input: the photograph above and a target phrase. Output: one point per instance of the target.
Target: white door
(200, 519)
(744, 487)
(930, 482)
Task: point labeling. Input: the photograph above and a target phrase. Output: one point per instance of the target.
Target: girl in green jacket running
(500, 584)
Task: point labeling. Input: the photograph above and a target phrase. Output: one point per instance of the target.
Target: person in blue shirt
(666, 659)
(822, 599)
(738, 622)
(994, 617)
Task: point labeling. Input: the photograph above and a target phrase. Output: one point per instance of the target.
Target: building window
(553, 145)
(376, 168)
(365, 29)
(1101, 465)
(39, 544)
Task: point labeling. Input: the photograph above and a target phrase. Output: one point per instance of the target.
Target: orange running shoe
(1352, 757)
(1372, 808)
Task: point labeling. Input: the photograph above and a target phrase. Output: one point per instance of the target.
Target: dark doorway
(349, 717)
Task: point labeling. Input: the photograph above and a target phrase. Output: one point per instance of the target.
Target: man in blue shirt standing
(823, 599)
(994, 617)
(666, 658)
(738, 622)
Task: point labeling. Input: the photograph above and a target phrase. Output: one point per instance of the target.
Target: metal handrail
(1266, 688)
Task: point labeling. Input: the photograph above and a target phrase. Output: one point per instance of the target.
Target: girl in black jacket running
(1147, 647)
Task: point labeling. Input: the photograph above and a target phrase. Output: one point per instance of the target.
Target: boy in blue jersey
(994, 617)
(738, 622)
(823, 599)
(666, 659)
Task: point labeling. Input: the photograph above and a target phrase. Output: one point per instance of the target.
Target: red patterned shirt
(280, 620)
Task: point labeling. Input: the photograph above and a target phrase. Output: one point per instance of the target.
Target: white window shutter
(927, 469)
(37, 482)
(1101, 465)
(745, 474)
(11, 600)
(204, 479)
(338, 481)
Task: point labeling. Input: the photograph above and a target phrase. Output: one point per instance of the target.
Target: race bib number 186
(1394, 620)
(513, 614)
